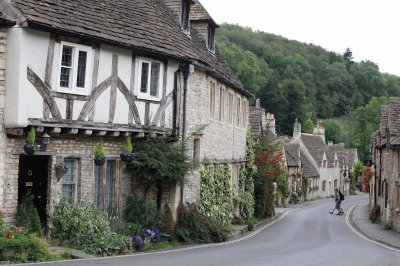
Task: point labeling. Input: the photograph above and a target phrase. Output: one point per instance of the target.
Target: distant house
(385, 181)
(86, 71)
(325, 166)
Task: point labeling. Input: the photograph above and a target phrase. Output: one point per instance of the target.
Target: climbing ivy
(244, 200)
(216, 194)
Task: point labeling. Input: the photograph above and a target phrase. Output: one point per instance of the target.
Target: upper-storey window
(74, 68)
(212, 99)
(211, 38)
(150, 79)
(185, 11)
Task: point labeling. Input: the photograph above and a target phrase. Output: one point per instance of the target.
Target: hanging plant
(100, 154)
(126, 154)
(30, 146)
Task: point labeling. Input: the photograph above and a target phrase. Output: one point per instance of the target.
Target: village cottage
(325, 165)
(385, 179)
(82, 72)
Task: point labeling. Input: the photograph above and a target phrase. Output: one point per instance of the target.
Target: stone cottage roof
(315, 145)
(199, 13)
(4, 20)
(292, 153)
(383, 119)
(147, 26)
(308, 169)
(394, 116)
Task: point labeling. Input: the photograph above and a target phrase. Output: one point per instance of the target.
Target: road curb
(353, 225)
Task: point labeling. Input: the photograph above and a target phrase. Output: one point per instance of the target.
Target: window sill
(148, 98)
(73, 92)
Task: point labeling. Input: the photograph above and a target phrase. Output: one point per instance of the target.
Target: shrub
(30, 139)
(27, 249)
(84, 227)
(140, 211)
(387, 226)
(194, 227)
(251, 223)
(28, 216)
(374, 213)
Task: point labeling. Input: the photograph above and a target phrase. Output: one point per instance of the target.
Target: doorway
(33, 178)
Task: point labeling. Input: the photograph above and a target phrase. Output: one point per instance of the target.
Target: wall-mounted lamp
(45, 141)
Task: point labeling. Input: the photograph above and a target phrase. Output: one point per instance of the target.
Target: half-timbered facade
(89, 71)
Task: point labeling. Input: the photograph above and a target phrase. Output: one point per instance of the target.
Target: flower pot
(99, 160)
(29, 149)
(61, 170)
(126, 156)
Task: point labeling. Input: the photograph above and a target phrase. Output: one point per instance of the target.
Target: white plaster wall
(30, 47)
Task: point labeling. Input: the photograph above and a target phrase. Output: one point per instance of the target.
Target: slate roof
(144, 25)
(315, 145)
(292, 153)
(308, 169)
(394, 116)
(4, 20)
(199, 13)
(383, 119)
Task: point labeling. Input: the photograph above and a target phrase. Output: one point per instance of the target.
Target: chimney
(180, 10)
(297, 129)
(270, 121)
(330, 143)
(320, 130)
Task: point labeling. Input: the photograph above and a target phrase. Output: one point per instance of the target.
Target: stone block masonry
(3, 139)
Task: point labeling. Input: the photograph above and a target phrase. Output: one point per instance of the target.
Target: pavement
(360, 217)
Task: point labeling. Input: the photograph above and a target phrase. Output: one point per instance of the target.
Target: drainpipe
(187, 69)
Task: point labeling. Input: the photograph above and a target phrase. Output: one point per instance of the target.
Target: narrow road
(305, 236)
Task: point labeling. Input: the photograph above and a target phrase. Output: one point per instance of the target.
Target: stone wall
(80, 148)
(3, 141)
(220, 142)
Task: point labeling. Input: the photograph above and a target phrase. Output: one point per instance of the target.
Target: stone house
(87, 71)
(326, 165)
(385, 152)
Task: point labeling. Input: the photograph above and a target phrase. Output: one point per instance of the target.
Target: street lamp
(45, 141)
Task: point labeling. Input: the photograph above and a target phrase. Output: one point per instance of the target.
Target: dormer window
(211, 38)
(185, 10)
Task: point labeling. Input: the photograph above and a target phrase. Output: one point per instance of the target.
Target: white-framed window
(105, 180)
(75, 65)
(150, 79)
(70, 180)
(212, 99)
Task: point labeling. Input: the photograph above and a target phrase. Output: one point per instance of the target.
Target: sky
(370, 28)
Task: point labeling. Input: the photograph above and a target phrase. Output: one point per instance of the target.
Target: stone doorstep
(75, 254)
(239, 229)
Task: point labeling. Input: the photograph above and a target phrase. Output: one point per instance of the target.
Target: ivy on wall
(244, 200)
(216, 193)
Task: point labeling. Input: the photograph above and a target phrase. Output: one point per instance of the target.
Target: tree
(348, 58)
(332, 131)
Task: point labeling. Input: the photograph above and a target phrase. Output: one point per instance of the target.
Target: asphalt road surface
(303, 236)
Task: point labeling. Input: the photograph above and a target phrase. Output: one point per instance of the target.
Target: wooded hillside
(295, 79)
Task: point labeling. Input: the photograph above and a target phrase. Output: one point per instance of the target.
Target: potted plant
(100, 154)
(126, 154)
(61, 170)
(30, 146)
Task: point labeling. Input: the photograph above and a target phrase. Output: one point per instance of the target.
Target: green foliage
(282, 184)
(30, 139)
(260, 196)
(304, 187)
(127, 145)
(153, 162)
(194, 227)
(28, 216)
(30, 248)
(162, 245)
(244, 200)
(167, 221)
(387, 226)
(215, 194)
(100, 151)
(332, 131)
(365, 122)
(84, 227)
(140, 211)
(293, 78)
